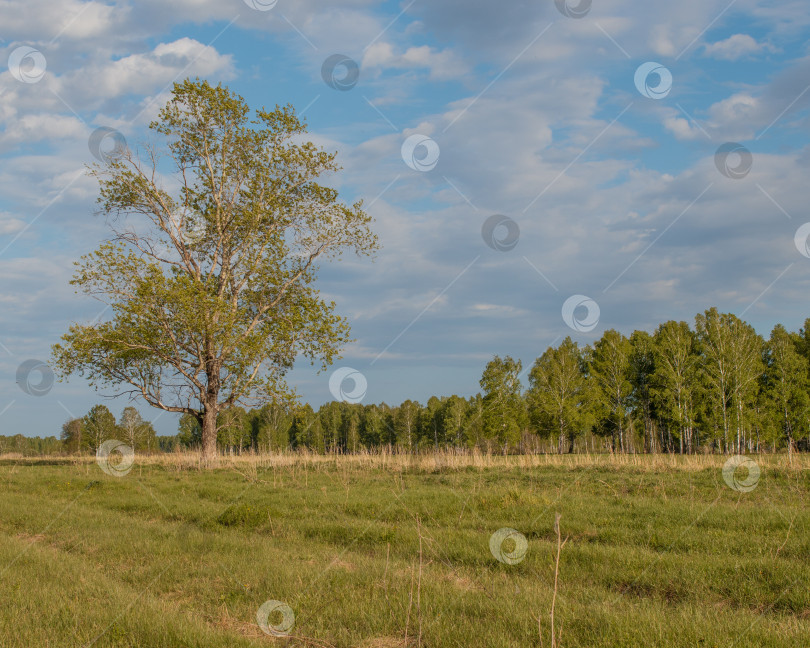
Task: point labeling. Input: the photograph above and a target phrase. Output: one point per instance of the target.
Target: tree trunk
(789, 434)
(209, 435)
(211, 409)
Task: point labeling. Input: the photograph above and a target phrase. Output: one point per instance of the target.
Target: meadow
(379, 551)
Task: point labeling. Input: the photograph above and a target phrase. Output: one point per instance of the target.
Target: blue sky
(535, 115)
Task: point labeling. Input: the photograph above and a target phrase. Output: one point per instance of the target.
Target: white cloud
(379, 54)
(661, 41)
(739, 106)
(681, 128)
(442, 65)
(31, 128)
(45, 21)
(735, 47)
(144, 74)
(9, 224)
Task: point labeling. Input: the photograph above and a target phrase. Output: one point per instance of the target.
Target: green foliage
(642, 376)
(559, 395)
(306, 430)
(350, 427)
(99, 426)
(374, 427)
(135, 432)
(786, 386)
(330, 417)
(211, 287)
(167, 443)
(504, 414)
(453, 415)
(30, 446)
(406, 425)
(611, 372)
(675, 382)
(732, 364)
(71, 435)
(234, 429)
(270, 427)
(189, 431)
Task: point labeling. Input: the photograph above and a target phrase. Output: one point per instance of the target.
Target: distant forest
(714, 387)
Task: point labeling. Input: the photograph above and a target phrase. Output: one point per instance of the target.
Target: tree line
(715, 387)
(718, 386)
(86, 434)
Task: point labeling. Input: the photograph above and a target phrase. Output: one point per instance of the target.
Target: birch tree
(786, 385)
(610, 368)
(675, 379)
(558, 393)
(218, 231)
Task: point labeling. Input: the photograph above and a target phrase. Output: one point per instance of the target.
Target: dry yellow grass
(439, 461)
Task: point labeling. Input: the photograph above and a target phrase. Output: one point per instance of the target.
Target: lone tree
(209, 274)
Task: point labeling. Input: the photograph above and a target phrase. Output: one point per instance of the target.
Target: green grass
(660, 554)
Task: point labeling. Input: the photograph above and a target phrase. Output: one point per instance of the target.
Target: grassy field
(394, 551)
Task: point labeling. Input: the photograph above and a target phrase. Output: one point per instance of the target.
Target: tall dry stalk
(419, 583)
(556, 637)
(449, 460)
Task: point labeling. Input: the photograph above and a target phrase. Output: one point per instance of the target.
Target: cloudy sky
(535, 169)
